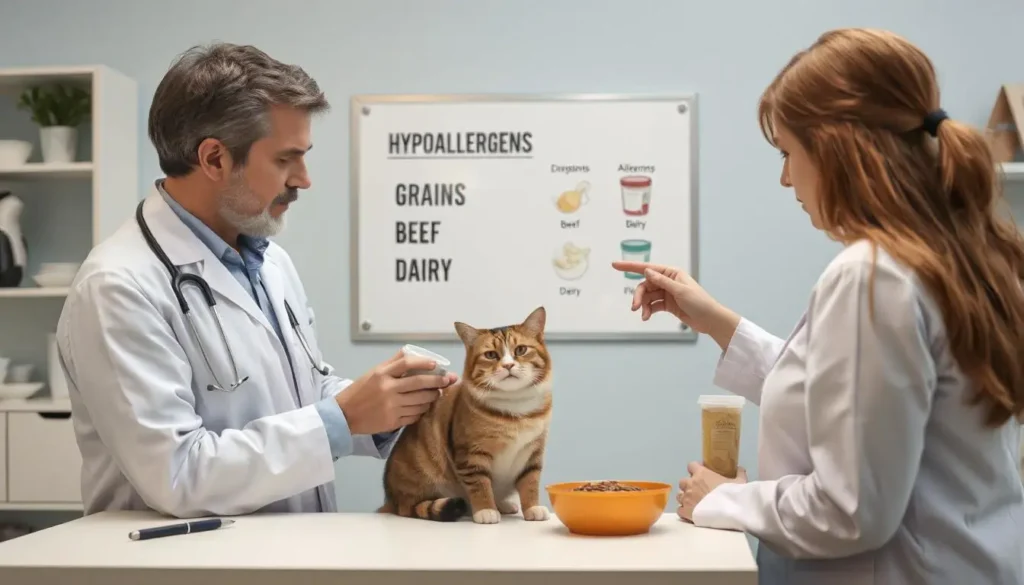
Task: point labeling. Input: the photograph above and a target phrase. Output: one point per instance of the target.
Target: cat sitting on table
(482, 442)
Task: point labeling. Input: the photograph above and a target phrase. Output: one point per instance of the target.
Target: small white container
(14, 153)
(19, 391)
(55, 279)
(442, 362)
(59, 267)
(20, 374)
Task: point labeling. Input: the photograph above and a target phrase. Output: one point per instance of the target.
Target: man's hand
(382, 400)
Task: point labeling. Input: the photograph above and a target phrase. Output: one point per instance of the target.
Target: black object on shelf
(13, 245)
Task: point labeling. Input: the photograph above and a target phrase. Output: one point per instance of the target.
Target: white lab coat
(150, 433)
(872, 468)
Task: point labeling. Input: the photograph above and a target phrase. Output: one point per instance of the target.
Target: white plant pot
(59, 143)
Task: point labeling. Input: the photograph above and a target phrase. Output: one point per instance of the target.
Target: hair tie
(932, 121)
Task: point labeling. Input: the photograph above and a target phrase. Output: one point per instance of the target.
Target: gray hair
(223, 91)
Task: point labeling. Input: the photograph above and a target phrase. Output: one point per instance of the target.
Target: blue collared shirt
(245, 267)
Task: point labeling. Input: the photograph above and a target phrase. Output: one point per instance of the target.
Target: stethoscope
(179, 279)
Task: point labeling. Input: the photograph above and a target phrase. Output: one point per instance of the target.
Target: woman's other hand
(700, 483)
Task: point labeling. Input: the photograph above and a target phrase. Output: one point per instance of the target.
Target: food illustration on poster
(571, 261)
(571, 200)
(635, 250)
(636, 194)
(463, 209)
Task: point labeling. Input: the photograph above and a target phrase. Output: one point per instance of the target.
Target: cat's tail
(439, 510)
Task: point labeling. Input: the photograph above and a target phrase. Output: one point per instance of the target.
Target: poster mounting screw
(366, 110)
(682, 108)
(366, 325)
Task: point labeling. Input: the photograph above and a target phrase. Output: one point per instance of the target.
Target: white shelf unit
(29, 292)
(69, 208)
(46, 172)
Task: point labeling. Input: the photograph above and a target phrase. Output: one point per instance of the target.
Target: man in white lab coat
(195, 410)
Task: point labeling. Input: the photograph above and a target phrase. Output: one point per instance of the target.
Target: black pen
(183, 528)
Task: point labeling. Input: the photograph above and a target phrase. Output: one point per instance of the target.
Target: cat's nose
(508, 366)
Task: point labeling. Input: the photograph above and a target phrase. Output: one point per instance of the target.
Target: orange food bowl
(609, 513)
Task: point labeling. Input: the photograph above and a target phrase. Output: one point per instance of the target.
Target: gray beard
(236, 208)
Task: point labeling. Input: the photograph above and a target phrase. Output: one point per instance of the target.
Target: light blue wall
(624, 410)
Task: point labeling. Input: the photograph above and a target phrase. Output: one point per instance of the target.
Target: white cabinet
(43, 461)
(40, 464)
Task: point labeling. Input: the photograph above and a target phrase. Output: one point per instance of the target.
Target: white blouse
(872, 467)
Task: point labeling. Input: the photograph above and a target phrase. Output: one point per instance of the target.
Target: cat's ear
(534, 324)
(467, 333)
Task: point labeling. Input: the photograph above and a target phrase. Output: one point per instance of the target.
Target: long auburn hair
(857, 100)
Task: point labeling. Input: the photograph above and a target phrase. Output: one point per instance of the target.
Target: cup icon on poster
(636, 194)
(571, 261)
(570, 201)
(635, 251)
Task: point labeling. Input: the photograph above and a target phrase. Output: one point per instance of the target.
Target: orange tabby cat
(483, 441)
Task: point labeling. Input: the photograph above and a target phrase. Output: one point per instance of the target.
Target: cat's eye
(491, 355)
(521, 350)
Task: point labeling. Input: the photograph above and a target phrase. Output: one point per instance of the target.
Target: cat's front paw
(536, 513)
(488, 516)
(508, 507)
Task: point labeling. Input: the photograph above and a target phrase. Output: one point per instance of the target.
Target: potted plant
(58, 110)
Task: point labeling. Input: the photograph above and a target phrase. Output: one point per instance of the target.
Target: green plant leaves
(56, 105)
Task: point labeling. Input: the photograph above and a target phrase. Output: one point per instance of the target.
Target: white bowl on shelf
(14, 153)
(54, 279)
(59, 267)
(19, 391)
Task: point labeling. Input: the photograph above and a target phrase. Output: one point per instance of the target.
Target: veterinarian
(197, 384)
(888, 449)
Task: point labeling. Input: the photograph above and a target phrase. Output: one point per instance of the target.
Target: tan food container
(721, 420)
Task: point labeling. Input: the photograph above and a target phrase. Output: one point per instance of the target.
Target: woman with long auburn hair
(889, 437)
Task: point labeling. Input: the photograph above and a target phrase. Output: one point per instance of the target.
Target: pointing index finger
(640, 267)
